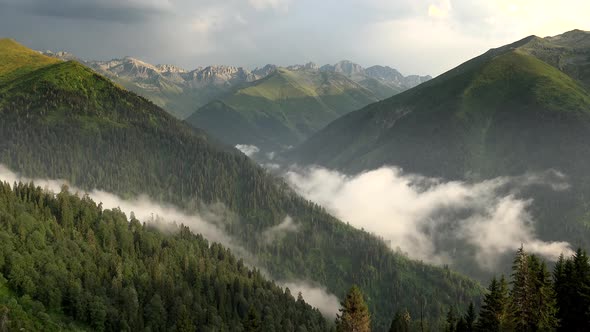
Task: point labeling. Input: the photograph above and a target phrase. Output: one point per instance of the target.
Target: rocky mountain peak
(164, 68)
(264, 71)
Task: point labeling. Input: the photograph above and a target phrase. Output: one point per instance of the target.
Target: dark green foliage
(532, 304)
(401, 322)
(535, 302)
(451, 322)
(113, 275)
(470, 317)
(64, 121)
(354, 315)
(572, 287)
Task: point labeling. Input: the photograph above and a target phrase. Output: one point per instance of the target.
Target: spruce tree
(532, 299)
(401, 322)
(543, 296)
(354, 315)
(470, 318)
(451, 320)
(490, 316)
(571, 283)
(520, 306)
(252, 321)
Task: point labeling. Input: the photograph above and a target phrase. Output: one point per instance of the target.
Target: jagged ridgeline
(67, 264)
(64, 121)
(290, 104)
(281, 109)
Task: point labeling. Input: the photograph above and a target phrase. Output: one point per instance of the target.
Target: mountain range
(62, 120)
(182, 91)
(290, 104)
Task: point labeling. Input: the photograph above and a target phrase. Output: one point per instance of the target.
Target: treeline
(67, 264)
(66, 122)
(533, 300)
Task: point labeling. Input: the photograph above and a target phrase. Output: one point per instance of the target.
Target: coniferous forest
(532, 299)
(67, 264)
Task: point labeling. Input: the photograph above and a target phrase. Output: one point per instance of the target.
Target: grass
(18, 60)
(284, 108)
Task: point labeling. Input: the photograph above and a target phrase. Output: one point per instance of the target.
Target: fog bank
(429, 219)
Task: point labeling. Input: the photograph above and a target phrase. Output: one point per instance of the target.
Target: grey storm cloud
(123, 11)
(414, 36)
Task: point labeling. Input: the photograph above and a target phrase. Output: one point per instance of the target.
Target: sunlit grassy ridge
(18, 60)
(282, 109)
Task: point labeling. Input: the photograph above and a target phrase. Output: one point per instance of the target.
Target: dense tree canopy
(65, 263)
(354, 315)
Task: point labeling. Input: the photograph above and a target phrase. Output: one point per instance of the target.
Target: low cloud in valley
(428, 218)
(207, 222)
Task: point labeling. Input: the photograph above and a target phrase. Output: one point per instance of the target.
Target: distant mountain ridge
(281, 109)
(384, 81)
(182, 92)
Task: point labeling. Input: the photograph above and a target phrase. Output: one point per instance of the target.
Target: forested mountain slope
(65, 259)
(281, 109)
(506, 112)
(65, 121)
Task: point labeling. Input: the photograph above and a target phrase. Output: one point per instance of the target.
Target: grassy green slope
(503, 113)
(448, 126)
(282, 109)
(65, 121)
(19, 60)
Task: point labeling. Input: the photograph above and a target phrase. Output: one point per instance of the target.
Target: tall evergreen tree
(543, 297)
(504, 296)
(532, 300)
(354, 315)
(252, 321)
(571, 283)
(451, 320)
(491, 311)
(520, 304)
(470, 318)
(401, 322)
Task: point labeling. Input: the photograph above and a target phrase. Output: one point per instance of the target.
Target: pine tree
(401, 322)
(504, 296)
(470, 318)
(520, 295)
(532, 299)
(451, 320)
(461, 325)
(252, 321)
(543, 296)
(571, 283)
(489, 316)
(354, 315)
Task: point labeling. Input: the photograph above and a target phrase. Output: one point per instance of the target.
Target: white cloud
(427, 218)
(326, 302)
(248, 150)
(270, 4)
(440, 9)
(279, 231)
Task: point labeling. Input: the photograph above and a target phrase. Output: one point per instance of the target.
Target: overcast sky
(414, 36)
